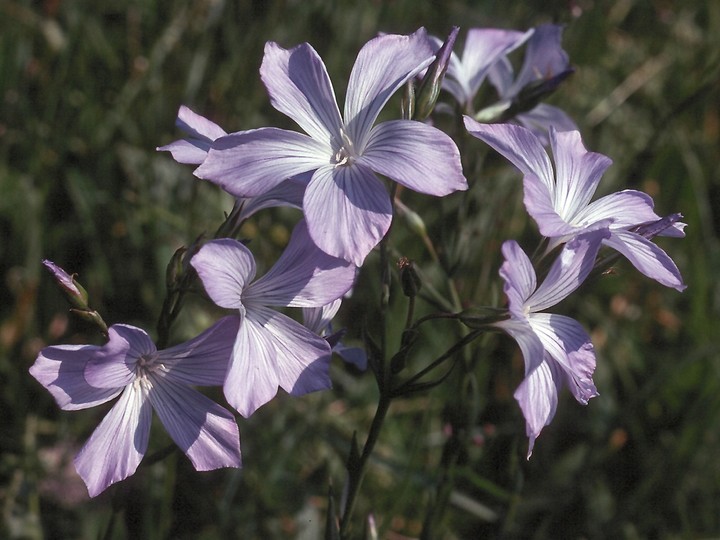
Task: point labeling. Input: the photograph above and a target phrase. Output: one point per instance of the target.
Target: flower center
(346, 154)
(147, 364)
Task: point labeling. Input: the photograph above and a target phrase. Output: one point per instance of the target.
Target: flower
(193, 151)
(271, 349)
(483, 47)
(347, 208)
(545, 66)
(129, 365)
(556, 349)
(559, 200)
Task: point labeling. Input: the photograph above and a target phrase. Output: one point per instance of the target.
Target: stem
(357, 471)
(439, 360)
(175, 294)
(356, 468)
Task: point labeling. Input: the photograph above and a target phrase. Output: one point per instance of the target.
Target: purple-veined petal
(501, 76)
(202, 133)
(252, 378)
(574, 263)
(382, 66)
(225, 267)
(647, 257)
(537, 396)
(483, 47)
(317, 319)
(115, 363)
(303, 276)
(569, 344)
(519, 275)
(187, 151)
(416, 155)
(539, 204)
(626, 208)
(348, 211)
(454, 80)
(303, 356)
(529, 343)
(288, 193)
(251, 163)
(299, 86)
(61, 369)
(274, 351)
(519, 145)
(352, 355)
(540, 118)
(677, 230)
(544, 57)
(203, 360)
(204, 430)
(198, 126)
(117, 445)
(577, 171)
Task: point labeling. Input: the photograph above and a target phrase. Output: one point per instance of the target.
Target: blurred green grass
(87, 91)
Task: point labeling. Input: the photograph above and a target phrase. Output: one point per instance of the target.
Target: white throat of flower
(148, 364)
(346, 154)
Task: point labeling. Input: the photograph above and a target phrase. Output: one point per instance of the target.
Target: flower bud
(533, 93)
(650, 230)
(409, 279)
(407, 101)
(74, 292)
(432, 82)
(175, 269)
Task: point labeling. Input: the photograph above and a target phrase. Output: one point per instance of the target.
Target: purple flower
(347, 208)
(556, 349)
(559, 199)
(129, 365)
(193, 151)
(271, 349)
(319, 319)
(545, 65)
(483, 47)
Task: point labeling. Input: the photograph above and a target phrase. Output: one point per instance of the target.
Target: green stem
(439, 360)
(357, 471)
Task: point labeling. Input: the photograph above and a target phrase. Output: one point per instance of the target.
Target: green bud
(175, 269)
(74, 292)
(407, 101)
(432, 82)
(399, 360)
(409, 278)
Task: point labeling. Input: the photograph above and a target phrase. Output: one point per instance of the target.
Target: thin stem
(357, 471)
(356, 468)
(439, 360)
